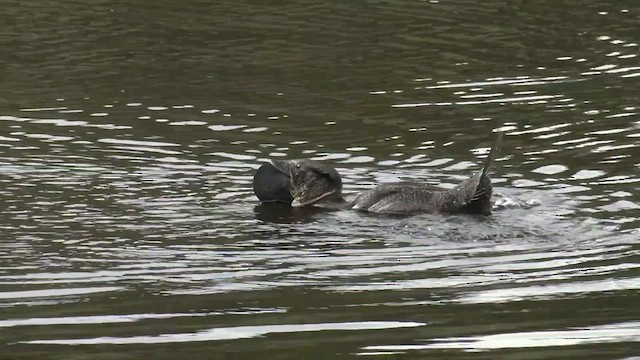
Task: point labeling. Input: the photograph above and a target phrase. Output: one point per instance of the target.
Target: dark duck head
(300, 183)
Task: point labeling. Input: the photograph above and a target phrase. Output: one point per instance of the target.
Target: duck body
(471, 196)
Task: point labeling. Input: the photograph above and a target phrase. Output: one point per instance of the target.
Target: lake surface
(129, 134)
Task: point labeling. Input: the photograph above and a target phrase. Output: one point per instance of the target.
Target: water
(129, 134)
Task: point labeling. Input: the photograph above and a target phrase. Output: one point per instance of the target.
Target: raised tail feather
(481, 200)
(492, 153)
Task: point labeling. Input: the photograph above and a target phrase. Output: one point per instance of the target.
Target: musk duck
(308, 182)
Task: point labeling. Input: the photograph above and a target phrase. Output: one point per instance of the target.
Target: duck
(306, 182)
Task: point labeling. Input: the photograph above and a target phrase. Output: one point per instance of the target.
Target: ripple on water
(139, 213)
(625, 332)
(6, 295)
(231, 333)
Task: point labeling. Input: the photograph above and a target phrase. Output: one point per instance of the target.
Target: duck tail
(492, 153)
(481, 200)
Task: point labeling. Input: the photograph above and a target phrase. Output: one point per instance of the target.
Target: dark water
(129, 134)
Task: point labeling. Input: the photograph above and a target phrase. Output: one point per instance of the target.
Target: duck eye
(298, 166)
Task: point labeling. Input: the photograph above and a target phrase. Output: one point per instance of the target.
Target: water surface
(129, 135)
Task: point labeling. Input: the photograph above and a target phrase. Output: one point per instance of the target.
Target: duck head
(299, 182)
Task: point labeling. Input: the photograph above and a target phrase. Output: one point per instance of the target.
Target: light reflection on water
(240, 332)
(621, 332)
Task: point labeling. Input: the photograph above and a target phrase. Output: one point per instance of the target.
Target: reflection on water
(130, 135)
(239, 332)
(623, 332)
